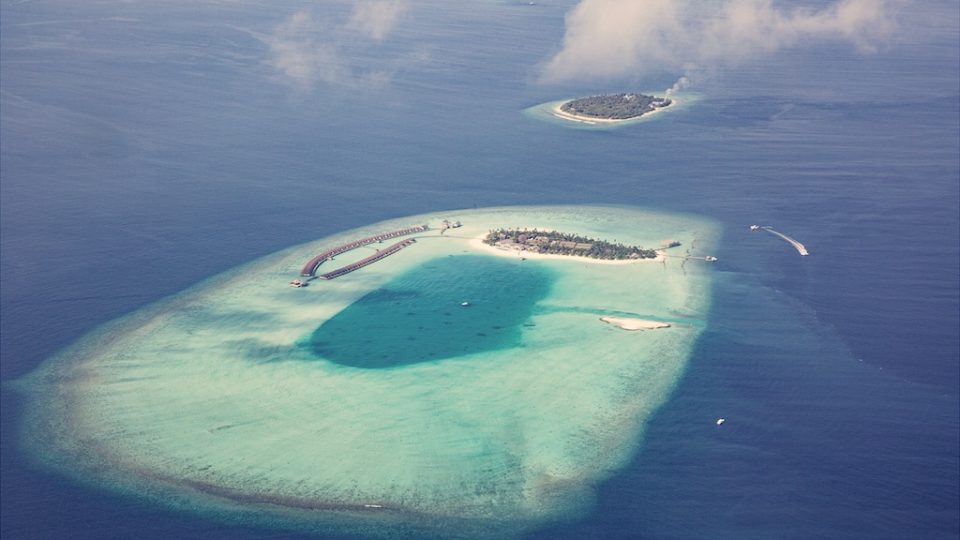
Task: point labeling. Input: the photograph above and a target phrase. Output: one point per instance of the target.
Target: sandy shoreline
(634, 324)
(516, 253)
(559, 113)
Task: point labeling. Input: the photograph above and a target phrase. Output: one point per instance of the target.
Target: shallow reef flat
(338, 406)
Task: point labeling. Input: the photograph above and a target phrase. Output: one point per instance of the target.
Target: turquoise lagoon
(420, 315)
(378, 398)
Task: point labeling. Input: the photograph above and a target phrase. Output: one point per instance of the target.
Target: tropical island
(614, 107)
(324, 354)
(558, 243)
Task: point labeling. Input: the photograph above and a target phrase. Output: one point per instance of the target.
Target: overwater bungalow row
(310, 268)
(369, 260)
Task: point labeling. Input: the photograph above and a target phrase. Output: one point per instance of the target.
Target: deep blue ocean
(148, 146)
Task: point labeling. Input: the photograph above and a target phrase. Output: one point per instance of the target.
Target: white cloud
(616, 38)
(307, 50)
(376, 18)
(607, 38)
(297, 53)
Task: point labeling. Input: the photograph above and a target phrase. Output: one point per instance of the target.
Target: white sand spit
(634, 324)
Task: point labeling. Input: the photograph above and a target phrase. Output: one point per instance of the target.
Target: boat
(720, 421)
(464, 304)
(710, 258)
(298, 283)
(754, 227)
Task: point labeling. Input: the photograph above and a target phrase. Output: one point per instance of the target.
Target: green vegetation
(615, 106)
(553, 242)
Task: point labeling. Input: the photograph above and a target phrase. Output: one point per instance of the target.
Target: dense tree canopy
(554, 242)
(615, 106)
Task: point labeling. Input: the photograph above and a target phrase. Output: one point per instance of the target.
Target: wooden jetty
(369, 260)
(310, 269)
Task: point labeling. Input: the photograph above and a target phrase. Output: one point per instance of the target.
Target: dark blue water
(146, 147)
(411, 319)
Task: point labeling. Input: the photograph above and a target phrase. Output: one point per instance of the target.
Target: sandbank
(634, 324)
(478, 244)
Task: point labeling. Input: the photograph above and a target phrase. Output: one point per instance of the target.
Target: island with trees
(614, 106)
(558, 243)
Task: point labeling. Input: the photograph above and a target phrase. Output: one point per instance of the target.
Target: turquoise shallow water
(246, 396)
(418, 316)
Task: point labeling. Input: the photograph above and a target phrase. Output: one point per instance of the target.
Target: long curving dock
(800, 247)
(310, 269)
(369, 260)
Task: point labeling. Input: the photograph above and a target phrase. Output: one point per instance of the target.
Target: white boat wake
(800, 247)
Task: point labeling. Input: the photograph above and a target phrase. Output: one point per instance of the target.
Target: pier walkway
(310, 269)
(800, 247)
(708, 258)
(369, 260)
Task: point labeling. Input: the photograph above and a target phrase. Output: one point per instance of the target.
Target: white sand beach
(634, 324)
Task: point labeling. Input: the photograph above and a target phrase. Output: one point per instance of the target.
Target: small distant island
(558, 243)
(614, 106)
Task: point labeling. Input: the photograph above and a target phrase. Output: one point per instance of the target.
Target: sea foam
(215, 401)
